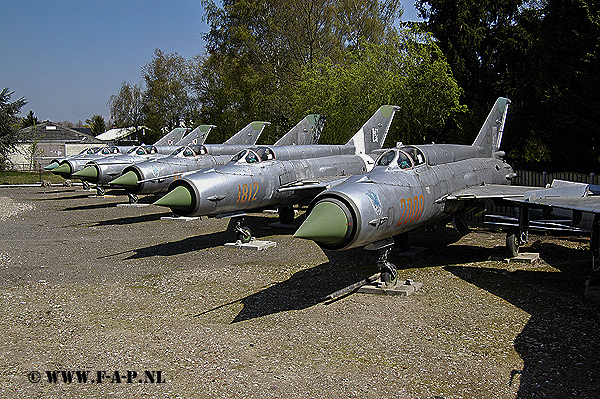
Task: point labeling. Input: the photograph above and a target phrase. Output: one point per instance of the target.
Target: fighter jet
(101, 172)
(69, 165)
(276, 176)
(155, 176)
(411, 187)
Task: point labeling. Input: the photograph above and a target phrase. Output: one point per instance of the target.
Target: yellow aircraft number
(247, 192)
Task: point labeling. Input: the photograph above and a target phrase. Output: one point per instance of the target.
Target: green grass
(11, 177)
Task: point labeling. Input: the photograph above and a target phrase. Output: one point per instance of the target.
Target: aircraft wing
(488, 191)
(589, 204)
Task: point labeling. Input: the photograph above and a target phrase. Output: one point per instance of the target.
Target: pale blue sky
(67, 57)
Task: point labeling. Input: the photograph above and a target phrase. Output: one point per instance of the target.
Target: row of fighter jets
(357, 194)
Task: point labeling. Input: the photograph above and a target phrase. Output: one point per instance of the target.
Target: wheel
(244, 234)
(286, 215)
(388, 277)
(512, 243)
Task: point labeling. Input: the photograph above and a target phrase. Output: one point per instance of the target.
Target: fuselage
(402, 193)
(254, 177)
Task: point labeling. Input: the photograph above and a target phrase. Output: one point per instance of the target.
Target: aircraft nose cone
(129, 179)
(178, 198)
(87, 173)
(327, 223)
(64, 169)
(51, 166)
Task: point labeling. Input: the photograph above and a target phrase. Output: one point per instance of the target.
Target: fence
(540, 179)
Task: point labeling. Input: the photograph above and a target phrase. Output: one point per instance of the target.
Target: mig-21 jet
(101, 172)
(155, 176)
(67, 166)
(411, 186)
(276, 176)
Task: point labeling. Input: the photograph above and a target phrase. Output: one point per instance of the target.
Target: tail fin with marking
(372, 135)
(249, 134)
(490, 135)
(172, 137)
(196, 136)
(307, 131)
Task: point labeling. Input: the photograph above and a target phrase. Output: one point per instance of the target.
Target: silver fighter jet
(276, 176)
(155, 176)
(411, 187)
(66, 166)
(103, 171)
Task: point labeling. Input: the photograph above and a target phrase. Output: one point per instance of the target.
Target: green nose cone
(179, 198)
(87, 173)
(129, 179)
(53, 165)
(327, 223)
(62, 170)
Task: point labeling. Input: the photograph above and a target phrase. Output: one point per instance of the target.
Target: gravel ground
(88, 286)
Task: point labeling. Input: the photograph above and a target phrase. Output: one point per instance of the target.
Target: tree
(409, 71)
(9, 124)
(97, 124)
(29, 120)
(166, 99)
(257, 51)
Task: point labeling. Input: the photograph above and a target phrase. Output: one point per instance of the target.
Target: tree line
(280, 60)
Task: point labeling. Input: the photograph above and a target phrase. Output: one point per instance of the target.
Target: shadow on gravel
(306, 287)
(560, 343)
(132, 220)
(91, 206)
(259, 226)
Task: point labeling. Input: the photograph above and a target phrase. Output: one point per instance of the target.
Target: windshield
(110, 150)
(246, 156)
(393, 159)
(386, 158)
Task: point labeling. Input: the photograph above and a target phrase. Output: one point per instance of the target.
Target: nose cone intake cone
(87, 173)
(53, 165)
(64, 169)
(179, 198)
(327, 223)
(129, 179)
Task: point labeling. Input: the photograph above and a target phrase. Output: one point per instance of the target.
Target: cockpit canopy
(403, 158)
(91, 150)
(190, 151)
(110, 150)
(254, 155)
(143, 150)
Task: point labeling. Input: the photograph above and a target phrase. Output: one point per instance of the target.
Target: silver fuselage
(389, 200)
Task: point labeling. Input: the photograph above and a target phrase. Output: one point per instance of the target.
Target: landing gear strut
(100, 191)
(389, 272)
(133, 199)
(86, 185)
(243, 233)
(517, 236)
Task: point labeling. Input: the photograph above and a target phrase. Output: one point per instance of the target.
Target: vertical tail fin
(249, 134)
(196, 136)
(372, 135)
(307, 131)
(172, 137)
(490, 135)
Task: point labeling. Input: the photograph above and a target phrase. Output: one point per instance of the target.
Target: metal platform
(405, 288)
(525, 257)
(255, 245)
(184, 218)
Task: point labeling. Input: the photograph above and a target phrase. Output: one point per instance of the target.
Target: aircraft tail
(249, 134)
(196, 136)
(172, 137)
(490, 135)
(372, 135)
(307, 131)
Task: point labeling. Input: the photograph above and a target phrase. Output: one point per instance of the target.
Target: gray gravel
(86, 285)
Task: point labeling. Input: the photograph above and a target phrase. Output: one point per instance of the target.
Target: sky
(67, 57)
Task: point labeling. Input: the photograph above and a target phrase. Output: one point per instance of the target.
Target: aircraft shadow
(90, 206)
(305, 288)
(132, 219)
(259, 225)
(561, 341)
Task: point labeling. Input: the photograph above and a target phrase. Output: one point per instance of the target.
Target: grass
(12, 177)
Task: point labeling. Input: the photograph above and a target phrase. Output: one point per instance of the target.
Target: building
(48, 141)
